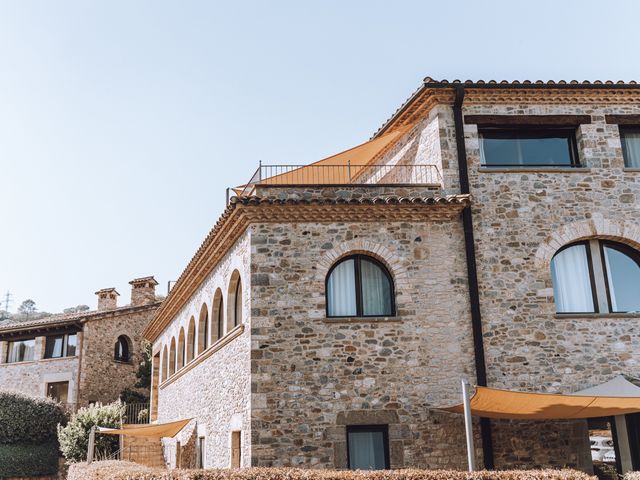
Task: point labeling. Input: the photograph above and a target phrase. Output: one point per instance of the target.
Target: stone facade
(92, 373)
(298, 378)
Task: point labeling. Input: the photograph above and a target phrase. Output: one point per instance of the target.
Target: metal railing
(346, 174)
(136, 413)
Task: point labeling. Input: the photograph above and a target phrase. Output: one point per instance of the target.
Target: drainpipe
(472, 274)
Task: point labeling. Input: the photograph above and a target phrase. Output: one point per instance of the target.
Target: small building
(488, 231)
(79, 358)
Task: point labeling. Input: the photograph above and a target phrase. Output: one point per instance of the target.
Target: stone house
(487, 231)
(79, 358)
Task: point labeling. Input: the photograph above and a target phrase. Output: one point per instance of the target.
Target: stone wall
(214, 388)
(102, 378)
(312, 376)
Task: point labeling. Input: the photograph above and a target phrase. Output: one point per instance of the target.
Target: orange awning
(505, 404)
(154, 430)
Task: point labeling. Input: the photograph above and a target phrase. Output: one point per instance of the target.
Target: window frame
(51, 384)
(622, 130)
(129, 356)
(65, 345)
(599, 293)
(380, 428)
(512, 132)
(11, 343)
(357, 257)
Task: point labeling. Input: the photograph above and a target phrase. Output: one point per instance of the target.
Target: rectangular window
(59, 346)
(200, 454)
(21, 350)
(528, 147)
(630, 138)
(59, 391)
(236, 449)
(368, 447)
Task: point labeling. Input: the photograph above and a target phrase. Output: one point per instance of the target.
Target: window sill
(631, 169)
(597, 315)
(232, 334)
(362, 320)
(22, 362)
(53, 359)
(484, 169)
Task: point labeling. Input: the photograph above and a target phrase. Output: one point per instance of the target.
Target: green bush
(74, 437)
(24, 460)
(130, 471)
(28, 420)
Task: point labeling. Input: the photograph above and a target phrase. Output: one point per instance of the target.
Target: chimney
(143, 291)
(107, 298)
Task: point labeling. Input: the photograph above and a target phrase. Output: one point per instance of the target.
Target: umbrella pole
(468, 425)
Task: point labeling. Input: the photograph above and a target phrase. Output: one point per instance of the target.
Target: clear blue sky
(122, 122)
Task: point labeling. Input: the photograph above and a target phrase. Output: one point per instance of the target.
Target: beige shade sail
(155, 430)
(504, 404)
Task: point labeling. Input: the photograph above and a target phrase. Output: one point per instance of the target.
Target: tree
(76, 309)
(27, 307)
(4, 315)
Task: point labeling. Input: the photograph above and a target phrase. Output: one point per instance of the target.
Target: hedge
(18, 460)
(113, 470)
(28, 420)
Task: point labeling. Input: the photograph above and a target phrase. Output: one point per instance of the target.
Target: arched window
(359, 286)
(234, 301)
(596, 276)
(181, 350)
(165, 364)
(122, 350)
(191, 340)
(172, 356)
(203, 328)
(217, 332)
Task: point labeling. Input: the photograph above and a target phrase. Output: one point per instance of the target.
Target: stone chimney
(107, 298)
(143, 291)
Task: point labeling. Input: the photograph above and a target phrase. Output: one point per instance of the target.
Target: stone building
(79, 358)
(487, 231)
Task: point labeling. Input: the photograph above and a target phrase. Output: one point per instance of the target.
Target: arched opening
(191, 340)
(122, 350)
(234, 301)
(203, 328)
(359, 286)
(172, 356)
(181, 349)
(165, 364)
(217, 332)
(596, 276)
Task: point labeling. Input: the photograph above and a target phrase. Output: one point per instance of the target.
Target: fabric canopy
(155, 430)
(338, 169)
(505, 404)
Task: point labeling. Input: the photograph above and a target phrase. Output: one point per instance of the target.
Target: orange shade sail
(505, 404)
(154, 430)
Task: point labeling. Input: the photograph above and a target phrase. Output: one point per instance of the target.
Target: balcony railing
(349, 174)
(136, 413)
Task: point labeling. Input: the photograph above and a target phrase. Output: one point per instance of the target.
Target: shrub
(28, 420)
(74, 437)
(632, 476)
(24, 460)
(129, 471)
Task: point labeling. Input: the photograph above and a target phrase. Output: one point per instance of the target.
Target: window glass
(59, 391)
(572, 280)
(21, 350)
(341, 290)
(519, 147)
(630, 139)
(122, 349)
(53, 347)
(72, 343)
(376, 289)
(367, 448)
(623, 276)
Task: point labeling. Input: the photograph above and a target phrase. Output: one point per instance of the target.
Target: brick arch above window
(598, 226)
(365, 247)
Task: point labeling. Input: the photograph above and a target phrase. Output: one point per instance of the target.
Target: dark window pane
(623, 275)
(513, 148)
(72, 343)
(376, 289)
(53, 347)
(367, 449)
(631, 147)
(58, 391)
